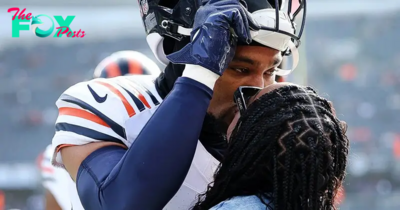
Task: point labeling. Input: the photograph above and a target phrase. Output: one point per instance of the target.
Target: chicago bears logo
(144, 6)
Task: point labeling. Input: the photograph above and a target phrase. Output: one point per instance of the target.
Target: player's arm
(149, 173)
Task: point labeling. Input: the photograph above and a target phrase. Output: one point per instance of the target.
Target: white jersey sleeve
(98, 110)
(116, 110)
(55, 180)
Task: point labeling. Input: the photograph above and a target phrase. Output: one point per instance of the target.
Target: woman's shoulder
(241, 202)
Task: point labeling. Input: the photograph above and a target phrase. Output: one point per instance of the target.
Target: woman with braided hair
(287, 151)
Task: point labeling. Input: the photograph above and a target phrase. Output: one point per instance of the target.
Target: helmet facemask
(169, 21)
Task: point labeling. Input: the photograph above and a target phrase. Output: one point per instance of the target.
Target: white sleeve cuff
(200, 74)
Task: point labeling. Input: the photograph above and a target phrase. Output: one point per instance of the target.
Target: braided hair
(288, 149)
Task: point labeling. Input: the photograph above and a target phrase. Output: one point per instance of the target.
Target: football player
(126, 62)
(126, 151)
(56, 181)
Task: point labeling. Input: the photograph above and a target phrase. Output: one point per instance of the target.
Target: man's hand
(218, 25)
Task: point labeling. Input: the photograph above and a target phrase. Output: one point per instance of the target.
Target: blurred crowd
(353, 61)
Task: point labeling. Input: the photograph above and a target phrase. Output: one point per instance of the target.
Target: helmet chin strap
(296, 58)
(184, 31)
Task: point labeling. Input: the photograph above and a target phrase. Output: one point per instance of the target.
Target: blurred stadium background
(351, 55)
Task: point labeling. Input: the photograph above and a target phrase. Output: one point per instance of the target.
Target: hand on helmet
(218, 25)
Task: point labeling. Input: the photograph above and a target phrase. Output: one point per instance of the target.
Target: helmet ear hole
(168, 45)
(172, 45)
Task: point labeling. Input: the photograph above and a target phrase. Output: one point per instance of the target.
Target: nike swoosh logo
(96, 96)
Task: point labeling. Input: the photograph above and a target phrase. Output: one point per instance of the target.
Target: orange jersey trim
(63, 146)
(128, 106)
(140, 96)
(82, 114)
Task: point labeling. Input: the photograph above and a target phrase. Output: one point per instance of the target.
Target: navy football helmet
(170, 21)
(125, 63)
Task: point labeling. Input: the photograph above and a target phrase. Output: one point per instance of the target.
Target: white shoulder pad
(98, 110)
